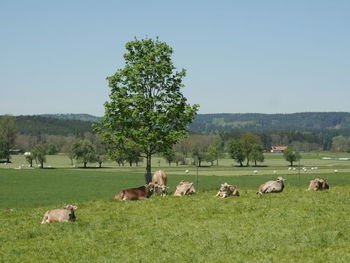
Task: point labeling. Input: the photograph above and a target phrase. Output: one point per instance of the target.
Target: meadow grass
(293, 226)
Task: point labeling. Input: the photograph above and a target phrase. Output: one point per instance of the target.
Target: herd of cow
(159, 184)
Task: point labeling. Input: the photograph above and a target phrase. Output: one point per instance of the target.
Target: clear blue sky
(240, 56)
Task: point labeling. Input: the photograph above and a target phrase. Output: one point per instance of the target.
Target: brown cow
(184, 188)
(318, 184)
(142, 192)
(64, 214)
(159, 178)
(227, 190)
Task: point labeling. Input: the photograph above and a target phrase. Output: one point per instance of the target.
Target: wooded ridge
(66, 124)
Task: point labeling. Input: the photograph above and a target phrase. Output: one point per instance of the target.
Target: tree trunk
(85, 164)
(255, 163)
(240, 164)
(148, 168)
(291, 163)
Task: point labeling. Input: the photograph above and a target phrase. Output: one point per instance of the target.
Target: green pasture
(293, 226)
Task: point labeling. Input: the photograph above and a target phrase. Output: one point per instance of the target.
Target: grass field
(293, 226)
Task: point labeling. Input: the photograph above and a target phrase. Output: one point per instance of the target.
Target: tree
(39, 153)
(132, 156)
(212, 154)
(7, 135)
(179, 158)
(146, 108)
(100, 158)
(169, 156)
(291, 156)
(340, 143)
(84, 151)
(236, 151)
(256, 154)
(197, 155)
(52, 149)
(30, 158)
(247, 141)
(118, 156)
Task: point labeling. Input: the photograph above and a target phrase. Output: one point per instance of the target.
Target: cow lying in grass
(272, 186)
(142, 192)
(64, 214)
(227, 190)
(184, 188)
(318, 184)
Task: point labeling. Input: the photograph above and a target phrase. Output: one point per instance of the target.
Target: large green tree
(146, 109)
(7, 136)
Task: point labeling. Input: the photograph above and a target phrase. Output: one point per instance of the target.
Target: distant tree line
(246, 148)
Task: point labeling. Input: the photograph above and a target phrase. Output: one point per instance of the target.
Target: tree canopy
(146, 109)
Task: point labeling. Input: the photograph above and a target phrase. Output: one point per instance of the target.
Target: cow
(227, 190)
(272, 186)
(140, 193)
(318, 184)
(160, 181)
(159, 178)
(63, 214)
(184, 188)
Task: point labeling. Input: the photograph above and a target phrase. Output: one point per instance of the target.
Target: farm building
(278, 149)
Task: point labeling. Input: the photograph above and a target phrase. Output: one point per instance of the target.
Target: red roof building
(278, 149)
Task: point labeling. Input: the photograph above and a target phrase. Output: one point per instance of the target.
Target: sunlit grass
(293, 226)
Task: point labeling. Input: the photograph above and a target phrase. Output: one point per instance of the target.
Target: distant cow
(318, 184)
(159, 178)
(227, 190)
(142, 192)
(184, 188)
(272, 186)
(64, 214)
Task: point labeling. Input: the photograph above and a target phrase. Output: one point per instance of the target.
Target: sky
(247, 56)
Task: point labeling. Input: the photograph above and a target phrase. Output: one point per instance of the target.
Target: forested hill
(258, 122)
(70, 116)
(65, 124)
(37, 125)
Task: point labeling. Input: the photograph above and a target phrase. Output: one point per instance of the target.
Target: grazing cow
(184, 188)
(318, 184)
(64, 214)
(159, 178)
(272, 186)
(227, 190)
(142, 192)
